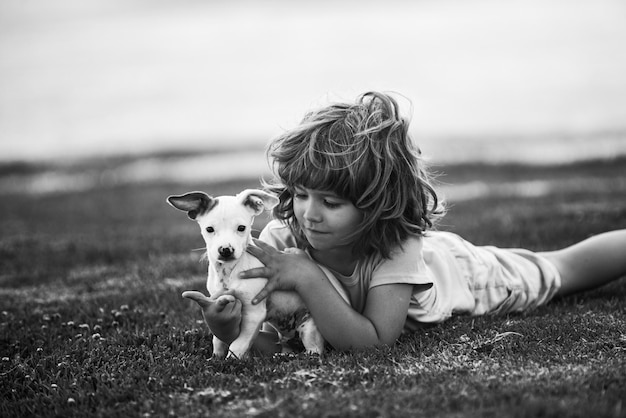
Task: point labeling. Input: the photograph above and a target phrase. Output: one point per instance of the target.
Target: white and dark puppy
(225, 223)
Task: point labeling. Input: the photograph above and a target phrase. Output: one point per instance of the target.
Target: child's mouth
(314, 231)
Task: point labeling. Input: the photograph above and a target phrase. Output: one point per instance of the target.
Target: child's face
(325, 218)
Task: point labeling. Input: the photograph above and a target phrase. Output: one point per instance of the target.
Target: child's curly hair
(361, 152)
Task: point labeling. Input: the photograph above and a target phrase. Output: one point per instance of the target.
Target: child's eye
(331, 204)
(210, 229)
(241, 228)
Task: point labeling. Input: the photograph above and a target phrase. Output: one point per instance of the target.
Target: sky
(494, 77)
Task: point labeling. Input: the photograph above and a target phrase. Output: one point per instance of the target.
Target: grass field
(92, 322)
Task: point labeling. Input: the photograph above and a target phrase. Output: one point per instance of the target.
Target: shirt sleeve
(406, 266)
(278, 235)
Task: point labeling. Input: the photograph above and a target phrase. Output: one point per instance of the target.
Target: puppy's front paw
(311, 337)
(220, 348)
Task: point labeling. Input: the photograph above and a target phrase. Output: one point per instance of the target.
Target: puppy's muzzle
(226, 253)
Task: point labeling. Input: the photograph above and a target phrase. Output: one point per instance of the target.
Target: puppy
(225, 223)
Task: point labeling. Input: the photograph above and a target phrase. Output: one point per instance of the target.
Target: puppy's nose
(226, 252)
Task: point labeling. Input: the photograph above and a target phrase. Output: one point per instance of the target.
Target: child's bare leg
(590, 263)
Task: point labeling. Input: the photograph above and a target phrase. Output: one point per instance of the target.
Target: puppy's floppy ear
(194, 203)
(257, 200)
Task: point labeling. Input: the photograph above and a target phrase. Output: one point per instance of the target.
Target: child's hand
(222, 316)
(282, 269)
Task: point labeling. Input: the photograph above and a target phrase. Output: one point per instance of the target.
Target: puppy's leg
(252, 317)
(220, 348)
(311, 337)
(212, 307)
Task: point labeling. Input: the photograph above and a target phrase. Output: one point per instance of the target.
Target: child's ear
(194, 203)
(258, 200)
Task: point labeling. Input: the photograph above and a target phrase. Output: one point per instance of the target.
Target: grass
(92, 322)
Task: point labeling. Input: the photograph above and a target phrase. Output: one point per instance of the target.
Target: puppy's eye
(241, 228)
(210, 229)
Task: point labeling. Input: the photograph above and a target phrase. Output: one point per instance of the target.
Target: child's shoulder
(411, 246)
(278, 234)
(276, 227)
(406, 265)
(403, 257)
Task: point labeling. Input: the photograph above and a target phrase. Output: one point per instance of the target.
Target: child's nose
(312, 212)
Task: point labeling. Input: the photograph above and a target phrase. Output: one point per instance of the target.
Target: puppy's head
(225, 221)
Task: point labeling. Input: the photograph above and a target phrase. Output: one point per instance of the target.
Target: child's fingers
(256, 252)
(235, 307)
(262, 251)
(255, 273)
(223, 301)
(264, 246)
(197, 297)
(293, 250)
(269, 288)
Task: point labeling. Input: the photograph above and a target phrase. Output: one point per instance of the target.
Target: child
(355, 197)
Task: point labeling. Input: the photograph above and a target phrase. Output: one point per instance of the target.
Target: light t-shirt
(449, 276)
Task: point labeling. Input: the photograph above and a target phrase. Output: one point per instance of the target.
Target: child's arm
(344, 328)
(382, 320)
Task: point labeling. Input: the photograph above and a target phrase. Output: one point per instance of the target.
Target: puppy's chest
(223, 276)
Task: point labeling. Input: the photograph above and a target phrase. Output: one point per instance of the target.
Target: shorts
(504, 280)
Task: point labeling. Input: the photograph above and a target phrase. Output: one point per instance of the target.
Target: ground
(92, 322)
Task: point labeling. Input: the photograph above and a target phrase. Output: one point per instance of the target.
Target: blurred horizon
(484, 80)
